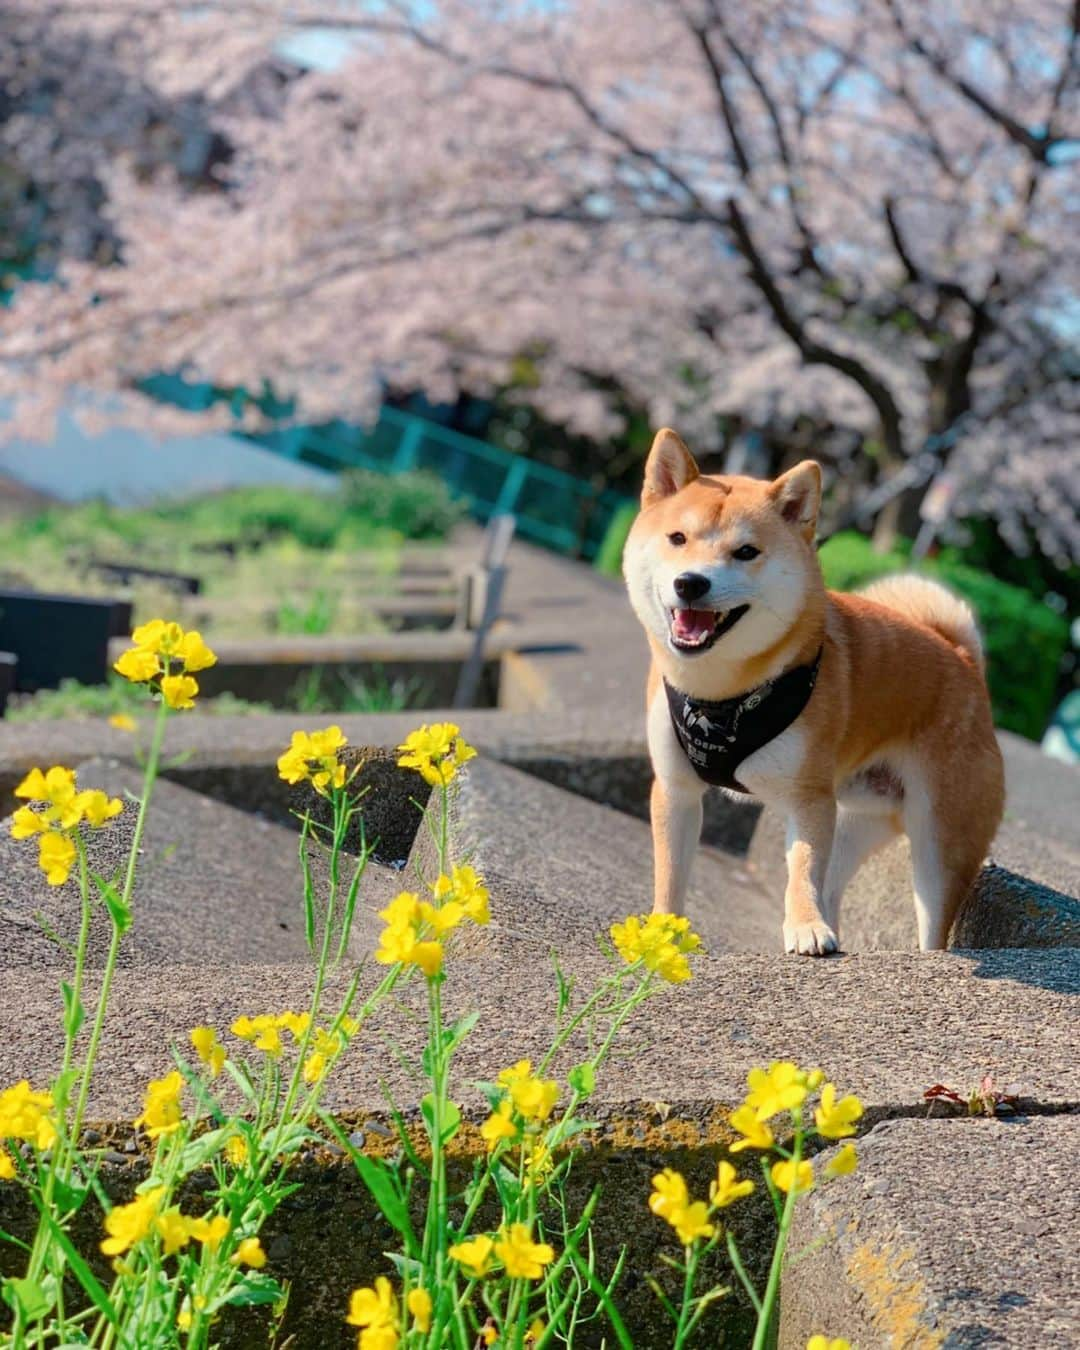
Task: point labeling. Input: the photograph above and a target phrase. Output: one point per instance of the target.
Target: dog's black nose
(690, 586)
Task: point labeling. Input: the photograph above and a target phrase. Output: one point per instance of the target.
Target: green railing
(552, 508)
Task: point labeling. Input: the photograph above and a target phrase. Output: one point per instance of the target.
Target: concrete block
(951, 1233)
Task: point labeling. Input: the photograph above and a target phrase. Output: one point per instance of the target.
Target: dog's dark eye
(745, 553)
(677, 538)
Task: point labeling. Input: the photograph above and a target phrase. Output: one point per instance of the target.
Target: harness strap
(717, 735)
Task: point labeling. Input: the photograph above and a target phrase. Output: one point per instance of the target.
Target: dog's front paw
(810, 939)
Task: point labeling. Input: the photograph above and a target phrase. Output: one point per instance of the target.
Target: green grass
(314, 695)
(84, 701)
(269, 559)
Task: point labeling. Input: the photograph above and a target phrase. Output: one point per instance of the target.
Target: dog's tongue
(691, 625)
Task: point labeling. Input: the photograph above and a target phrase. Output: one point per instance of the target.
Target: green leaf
(451, 1122)
(382, 1182)
(565, 987)
(68, 1197)
(119, 912)
(28, 1297)
(74, 1012)
(457, 1033)
(582, 1078)
(199, 1151)
(254, 1288)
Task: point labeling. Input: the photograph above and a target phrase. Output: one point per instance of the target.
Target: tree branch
(813, 352)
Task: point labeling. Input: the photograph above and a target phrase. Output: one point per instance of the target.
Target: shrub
(414, 505)
(609, 556)
(1023, 638)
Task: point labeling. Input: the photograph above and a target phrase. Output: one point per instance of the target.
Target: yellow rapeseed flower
(210, 1232)
(194, 652)
(296, 1024)
(373, 1306)
(174, 1230)
(27, 1115)
(315, 1067)
(249, 1253)
(726, 1189)
(97, 807)
(403, 911)
(468, 890)
(138, 665)
(508, 1077)
(64, 808)
(436, 752)
(123, 722)
(499, 1125)
(669, 1193)
(823, 1343)
(692, 1222)
(781, 1087)
(262, 1031)
(538, 1162)
(312, 757)
(162, 1113)
(845, 1162)
(836, 1119)
(474, 1256)
(756, 1134)
(179, 691)
(419, 1304)
(209, 1049)
(522, 1258)
(400, 943)
(534, 1098)
(784, 1175)
(236, 1150)
(7, 1166)
(165, 649)
(128, 1224)
(442, 918)
(56, 857)
(25, 823)
(661, 941)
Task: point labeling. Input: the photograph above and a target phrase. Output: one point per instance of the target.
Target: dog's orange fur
(900, 684)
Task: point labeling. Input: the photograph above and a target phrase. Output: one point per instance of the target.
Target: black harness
(717, 736)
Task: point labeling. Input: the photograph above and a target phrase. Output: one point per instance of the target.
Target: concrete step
(584, 866)
(215, 885)
(950, 1233)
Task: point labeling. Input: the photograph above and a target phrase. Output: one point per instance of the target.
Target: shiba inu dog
(858, 716)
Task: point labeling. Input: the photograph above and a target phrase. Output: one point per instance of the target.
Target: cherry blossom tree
(863, 212)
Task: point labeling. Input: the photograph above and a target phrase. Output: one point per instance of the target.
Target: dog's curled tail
(930, 603)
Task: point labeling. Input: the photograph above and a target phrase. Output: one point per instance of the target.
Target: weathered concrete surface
(951, 1233)
(884, 1025)
(214, 885)
(587, 866)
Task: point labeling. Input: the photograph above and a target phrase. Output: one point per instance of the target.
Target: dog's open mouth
(695, 630)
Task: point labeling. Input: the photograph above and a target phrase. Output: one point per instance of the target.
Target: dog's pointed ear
(797, 496)
(669, 468)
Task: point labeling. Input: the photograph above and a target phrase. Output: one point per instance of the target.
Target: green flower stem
(772, 1288)
(686, 1307)
(40, 1240)
(149, 778)
(740, 1270)
(611, 984)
